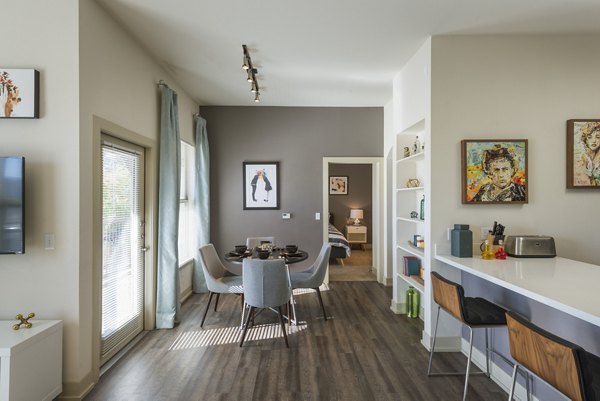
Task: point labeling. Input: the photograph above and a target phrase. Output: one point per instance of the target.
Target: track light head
(254, 87)
(256, 97)
(249, 79)
(246, 64)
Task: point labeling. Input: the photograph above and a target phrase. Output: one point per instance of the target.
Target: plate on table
(292, 255)
(234, 254)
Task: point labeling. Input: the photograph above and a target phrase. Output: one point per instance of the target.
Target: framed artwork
(19, 93)
(583, 153)
(494, 171)
(338, 185)
(261, 185)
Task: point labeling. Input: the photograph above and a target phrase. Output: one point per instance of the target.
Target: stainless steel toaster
(530, 246)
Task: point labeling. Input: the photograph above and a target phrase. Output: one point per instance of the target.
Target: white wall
(43, 35)
(516, 87)
(118, 83)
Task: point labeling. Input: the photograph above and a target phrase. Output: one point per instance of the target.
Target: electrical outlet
(48, 242)
(484, 233)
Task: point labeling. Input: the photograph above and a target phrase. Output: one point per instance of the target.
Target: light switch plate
(49, 242)
(317, 216)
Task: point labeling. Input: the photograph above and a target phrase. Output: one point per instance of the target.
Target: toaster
(530, 246)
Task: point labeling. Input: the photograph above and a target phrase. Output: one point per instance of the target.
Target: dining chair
(314, 276)
(217, 280)
(565, 366)
(472, 312)
(266, 285)
(252, 242)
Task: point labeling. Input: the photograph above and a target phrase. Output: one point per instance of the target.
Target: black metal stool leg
(206, 310)
(283, 327)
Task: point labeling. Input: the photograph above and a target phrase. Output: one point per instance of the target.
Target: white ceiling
(321, 52)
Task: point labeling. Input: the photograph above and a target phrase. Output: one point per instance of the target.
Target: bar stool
(472, 312)
(565, 366)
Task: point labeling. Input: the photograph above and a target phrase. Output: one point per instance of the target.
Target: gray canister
(461, 240)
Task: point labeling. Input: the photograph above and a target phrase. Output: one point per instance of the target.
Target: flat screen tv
(12, 205)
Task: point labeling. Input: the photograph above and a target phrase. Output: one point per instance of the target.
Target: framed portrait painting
(494, 171)
(583, 153)
(261, 185)
(19, 93)
(338, 185)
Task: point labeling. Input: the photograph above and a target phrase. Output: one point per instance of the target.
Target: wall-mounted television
(12, 205)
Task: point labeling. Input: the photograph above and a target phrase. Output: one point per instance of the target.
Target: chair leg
(437, 319)
(206, 310)
(246, 325)
(321, 302)
(514, 380)
(217, 301)
(468, 363)
(283, 327)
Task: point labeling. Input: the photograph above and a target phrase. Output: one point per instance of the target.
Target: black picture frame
(19, 93)
(261, 189)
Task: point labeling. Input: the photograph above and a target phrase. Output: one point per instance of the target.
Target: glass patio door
(122, 245)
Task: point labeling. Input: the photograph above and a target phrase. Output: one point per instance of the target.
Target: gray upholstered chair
(217, 280)
(314, 277)
(266, 285)
(252, 242)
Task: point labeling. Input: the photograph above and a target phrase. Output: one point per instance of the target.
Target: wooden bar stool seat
(565, 366)
(473, 312)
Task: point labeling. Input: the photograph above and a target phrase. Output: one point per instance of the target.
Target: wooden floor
(365, 352)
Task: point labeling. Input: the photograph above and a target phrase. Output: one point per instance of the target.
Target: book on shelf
(412, 265)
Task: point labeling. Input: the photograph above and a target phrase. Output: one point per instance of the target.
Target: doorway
(123, 244)
(361, 197)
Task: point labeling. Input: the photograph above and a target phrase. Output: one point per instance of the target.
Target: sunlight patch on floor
(231, 335)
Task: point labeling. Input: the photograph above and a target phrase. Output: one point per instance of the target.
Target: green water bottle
(415, 304)
(409, 301)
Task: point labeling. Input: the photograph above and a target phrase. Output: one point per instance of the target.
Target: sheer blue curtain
(167, 291)
(201, 201)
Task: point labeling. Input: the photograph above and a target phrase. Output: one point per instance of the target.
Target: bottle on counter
(500, 253)
(487, 252)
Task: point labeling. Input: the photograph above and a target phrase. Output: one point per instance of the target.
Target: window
(186, 217)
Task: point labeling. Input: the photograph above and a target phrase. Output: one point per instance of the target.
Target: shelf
(414, 281)
(415, 157)
(412, 250)
(410, 189)
(410, 220)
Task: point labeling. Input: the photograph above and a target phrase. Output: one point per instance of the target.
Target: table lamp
(356, 214)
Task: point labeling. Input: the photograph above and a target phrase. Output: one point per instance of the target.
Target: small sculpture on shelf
(414, 215)
(24, 321)
(406, 151)
(417, 146)
(413, 183)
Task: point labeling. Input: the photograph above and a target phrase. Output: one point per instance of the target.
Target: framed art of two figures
(261, 185)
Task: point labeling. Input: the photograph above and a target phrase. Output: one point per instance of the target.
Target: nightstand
(356, 234)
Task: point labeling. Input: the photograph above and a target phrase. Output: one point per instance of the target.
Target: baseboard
(389, 281)
(75, 391)
(398, 308)
(499, 376)
(442, 344)
(185, 294)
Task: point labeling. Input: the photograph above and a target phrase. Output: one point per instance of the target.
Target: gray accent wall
(360, 195)
(297, 137)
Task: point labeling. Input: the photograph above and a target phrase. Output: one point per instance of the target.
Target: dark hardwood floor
(365, 352)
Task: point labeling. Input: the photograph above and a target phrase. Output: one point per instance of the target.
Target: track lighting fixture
(251, 73)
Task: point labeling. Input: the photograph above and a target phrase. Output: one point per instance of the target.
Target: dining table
(274, 253)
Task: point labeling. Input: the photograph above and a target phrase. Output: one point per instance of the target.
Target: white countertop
(567, 285)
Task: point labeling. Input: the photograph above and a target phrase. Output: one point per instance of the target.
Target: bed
(340, 247)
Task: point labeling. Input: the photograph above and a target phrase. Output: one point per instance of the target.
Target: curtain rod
(162, 83)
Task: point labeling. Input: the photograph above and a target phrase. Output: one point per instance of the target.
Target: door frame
(100, 127)
(377, 234)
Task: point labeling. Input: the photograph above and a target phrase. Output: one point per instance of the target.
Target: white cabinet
(30, 361)
(356, 234)
(410, 184)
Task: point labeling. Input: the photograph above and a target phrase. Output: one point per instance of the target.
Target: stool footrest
(455, 374)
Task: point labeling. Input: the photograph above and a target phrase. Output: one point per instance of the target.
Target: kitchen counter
(567, 285)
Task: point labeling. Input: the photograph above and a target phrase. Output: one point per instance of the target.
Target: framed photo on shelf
(338, 185)
(19, 93)
(494, 171)
(583, 153)
(261, 185)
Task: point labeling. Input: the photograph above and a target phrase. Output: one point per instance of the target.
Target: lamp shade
(356, 213)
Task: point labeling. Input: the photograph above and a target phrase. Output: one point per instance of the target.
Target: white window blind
(122, 243)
